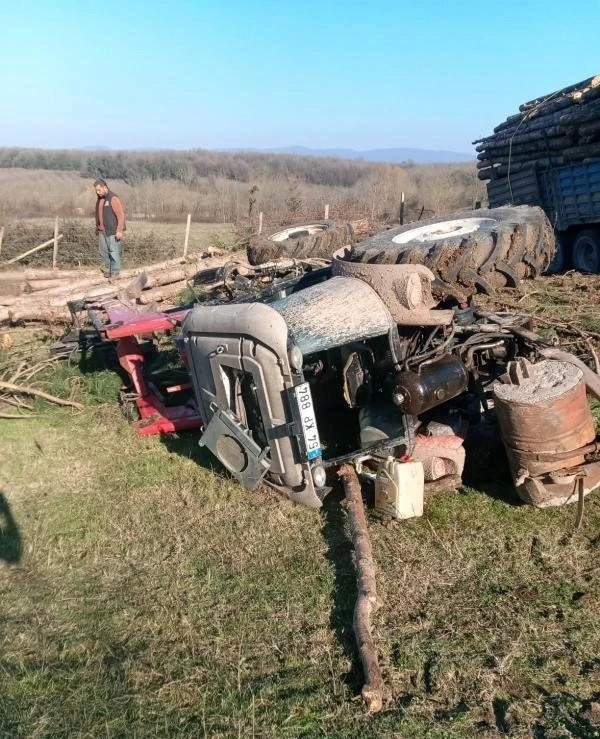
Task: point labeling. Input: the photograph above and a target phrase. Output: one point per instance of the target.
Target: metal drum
(544, 420)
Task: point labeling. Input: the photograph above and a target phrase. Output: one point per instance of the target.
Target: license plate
(308, 420)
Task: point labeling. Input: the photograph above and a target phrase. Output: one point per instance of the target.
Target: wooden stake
(1, 237)
(327, 211)
(260, 222)
(32, 251)
(366, 602)
(402, 209)
(187, 234)
(55, 251)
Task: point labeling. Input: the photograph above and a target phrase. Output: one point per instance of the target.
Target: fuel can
(399, 488)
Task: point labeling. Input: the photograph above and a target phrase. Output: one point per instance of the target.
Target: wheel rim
(288, 233)
(443, 230)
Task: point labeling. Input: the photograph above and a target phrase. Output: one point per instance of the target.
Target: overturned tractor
(377, 359)
(364, 365)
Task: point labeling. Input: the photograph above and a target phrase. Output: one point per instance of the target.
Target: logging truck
(548, 155)
(570, 195)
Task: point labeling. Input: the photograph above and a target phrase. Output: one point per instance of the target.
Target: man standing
(110, 225)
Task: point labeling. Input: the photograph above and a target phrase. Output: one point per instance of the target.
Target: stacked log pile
(554, 130)
(42, 294)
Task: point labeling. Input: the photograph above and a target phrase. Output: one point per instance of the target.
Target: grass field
(286, 190)
(146, 595)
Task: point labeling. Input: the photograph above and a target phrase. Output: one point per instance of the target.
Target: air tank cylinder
(433, 384)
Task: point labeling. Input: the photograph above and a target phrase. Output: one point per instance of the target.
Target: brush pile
(553, 130)
(42, 294)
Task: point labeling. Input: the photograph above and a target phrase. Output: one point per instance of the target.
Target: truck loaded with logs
(548, 155)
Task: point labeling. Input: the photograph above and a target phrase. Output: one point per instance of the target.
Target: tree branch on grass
(17, 417)
(366, 602)
(38, 393)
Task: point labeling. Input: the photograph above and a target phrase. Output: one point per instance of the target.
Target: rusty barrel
(542, 409)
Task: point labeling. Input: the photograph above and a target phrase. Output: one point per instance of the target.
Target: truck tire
(304, 241)
(560, 260)
(586, 251)
(470, 251)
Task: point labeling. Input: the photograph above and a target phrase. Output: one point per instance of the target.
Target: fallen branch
(587, 338)
(50, 242)
(588, 341)
(366, 602)
(38, 393)
(15, 417)
(16, 403)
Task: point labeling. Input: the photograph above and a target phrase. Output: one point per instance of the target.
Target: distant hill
(393, 156)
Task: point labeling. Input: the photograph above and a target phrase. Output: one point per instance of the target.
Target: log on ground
(164, 292)
(366, 602)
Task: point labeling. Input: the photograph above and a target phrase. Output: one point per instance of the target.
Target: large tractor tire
(318, 239)
(586, 251)
(469, 252)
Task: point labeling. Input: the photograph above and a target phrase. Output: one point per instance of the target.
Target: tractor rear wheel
(469, 252)
(318, 239)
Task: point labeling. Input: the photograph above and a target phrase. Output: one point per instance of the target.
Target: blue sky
(360, 75)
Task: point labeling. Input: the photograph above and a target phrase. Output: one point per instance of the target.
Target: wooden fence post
(402, 209)
(55, 245)
(260, 222)
(187, 234)
(327, 211)
(1, 237)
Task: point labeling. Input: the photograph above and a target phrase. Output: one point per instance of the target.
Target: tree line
(189, 167)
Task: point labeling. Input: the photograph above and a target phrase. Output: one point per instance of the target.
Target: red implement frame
(124, 325)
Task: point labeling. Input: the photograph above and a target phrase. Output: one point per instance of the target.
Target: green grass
(146, 595)
(590, 323)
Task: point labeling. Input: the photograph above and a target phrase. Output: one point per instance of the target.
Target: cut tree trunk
(589, 83)
(164, 292)
(45, 314)
(37, 285)
(175, 274)
(30, 273)
(8, 300)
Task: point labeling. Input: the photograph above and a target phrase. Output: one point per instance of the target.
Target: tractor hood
(333, 313)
